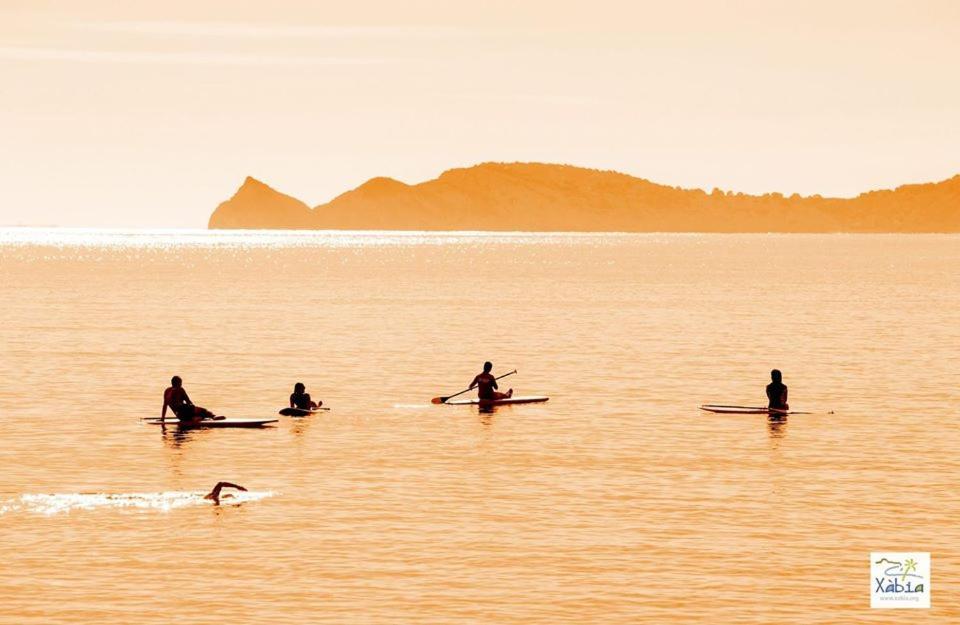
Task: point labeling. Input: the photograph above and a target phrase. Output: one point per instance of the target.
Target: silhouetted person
(487, 384)
(176, 398)
(301, 399)
(777, 392)
(215, 493)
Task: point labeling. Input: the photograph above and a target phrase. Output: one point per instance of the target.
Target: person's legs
(186, 414)
(203, 413)
(200, 413)
(193, 414)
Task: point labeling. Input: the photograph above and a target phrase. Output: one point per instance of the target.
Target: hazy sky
(127, 113)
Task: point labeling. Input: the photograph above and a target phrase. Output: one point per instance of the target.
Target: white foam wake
(50, 504)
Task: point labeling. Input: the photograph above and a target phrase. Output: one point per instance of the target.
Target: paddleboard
(742, 410)
(530, 399)
(216, 423)
(298, 412)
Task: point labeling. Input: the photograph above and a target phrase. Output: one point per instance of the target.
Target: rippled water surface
(617, 501)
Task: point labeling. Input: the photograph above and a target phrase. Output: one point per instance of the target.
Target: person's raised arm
(186, 398)
(215, 493)
(474, 383)
(231, 485)
(292, 404)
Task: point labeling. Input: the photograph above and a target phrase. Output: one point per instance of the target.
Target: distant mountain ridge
(545, 197)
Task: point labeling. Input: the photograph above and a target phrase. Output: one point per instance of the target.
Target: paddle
(773, 411)
(443, 400)
(740, 407)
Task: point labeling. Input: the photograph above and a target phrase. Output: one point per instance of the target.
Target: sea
(617, 501)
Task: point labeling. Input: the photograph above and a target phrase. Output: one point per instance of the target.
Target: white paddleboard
(216, 423)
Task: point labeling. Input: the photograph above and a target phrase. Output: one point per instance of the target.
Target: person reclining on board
(175, 397)
(301, 399)
(215, 493)
(487, 385)
(777, 392)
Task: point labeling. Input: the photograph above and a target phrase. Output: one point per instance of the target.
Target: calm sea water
(617, 501)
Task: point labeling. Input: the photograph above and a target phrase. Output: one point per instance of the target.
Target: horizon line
(302, 232)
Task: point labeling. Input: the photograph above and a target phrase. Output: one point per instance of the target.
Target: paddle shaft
(772, 411)
(444, 400)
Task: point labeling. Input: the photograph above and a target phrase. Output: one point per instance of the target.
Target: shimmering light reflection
(89, 237)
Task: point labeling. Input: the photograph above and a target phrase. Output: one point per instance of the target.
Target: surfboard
(530, 399)
(216, 423)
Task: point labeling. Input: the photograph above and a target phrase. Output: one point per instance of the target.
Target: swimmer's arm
(215, 493)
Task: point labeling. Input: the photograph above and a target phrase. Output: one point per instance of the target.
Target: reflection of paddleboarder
(215, 493)
(487, 384)
(176, 398)
(777, 392)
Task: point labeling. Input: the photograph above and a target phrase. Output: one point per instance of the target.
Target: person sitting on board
(175, 397)
(486, 385)
(301, 399)
(777, 392)
(215, 493)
